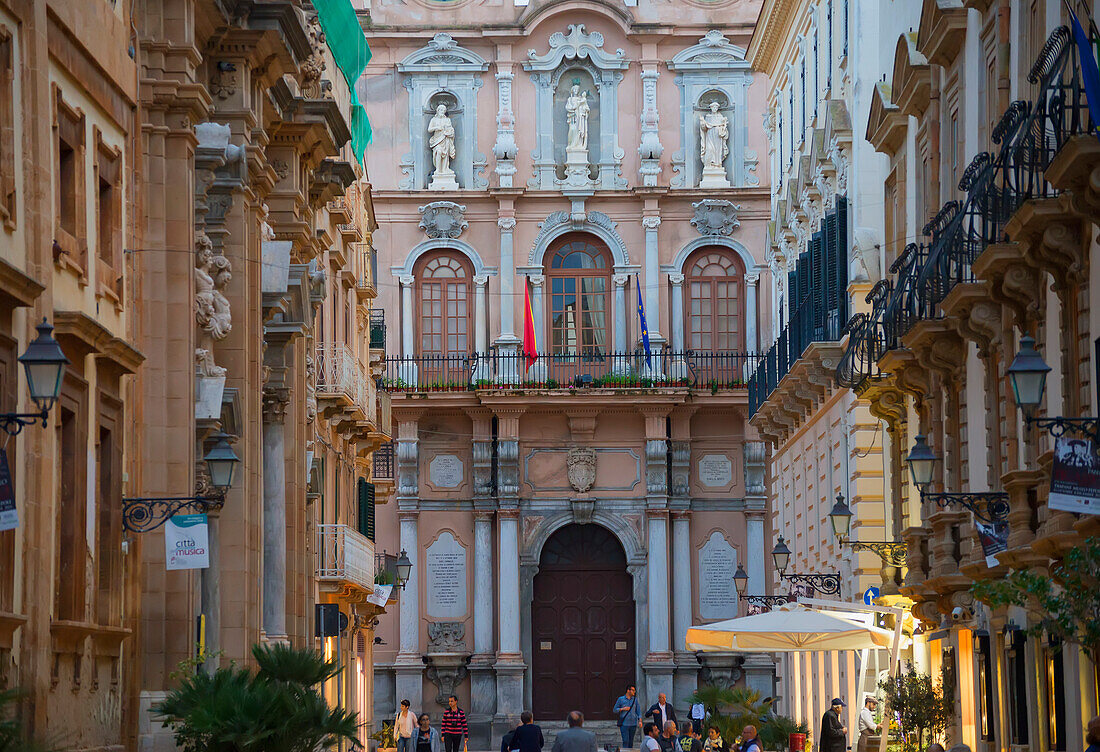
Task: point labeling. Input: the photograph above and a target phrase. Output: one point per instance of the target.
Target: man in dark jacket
(833, 732)
(528, 737)
(661, 712)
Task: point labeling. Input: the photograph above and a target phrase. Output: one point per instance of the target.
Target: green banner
(345, 39)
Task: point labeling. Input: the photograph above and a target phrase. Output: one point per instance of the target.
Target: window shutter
(366, 509)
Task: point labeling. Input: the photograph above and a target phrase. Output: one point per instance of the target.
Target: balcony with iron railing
(377, 335)
(344, 557)
(714, 371)
(342, 385)
(1030, 134)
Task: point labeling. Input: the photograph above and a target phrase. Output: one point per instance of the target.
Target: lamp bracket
(1088, 428)
(891, 552)
(988, 506)
(13, 423)
(145, 513)
(826, 584)
(770, 601)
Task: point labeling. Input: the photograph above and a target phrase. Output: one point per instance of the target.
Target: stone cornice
(774, 23)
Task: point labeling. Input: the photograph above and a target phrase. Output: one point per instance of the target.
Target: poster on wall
(994, 538)
(380, 595)
(9, 515)
(1075, 477)
(187, 542)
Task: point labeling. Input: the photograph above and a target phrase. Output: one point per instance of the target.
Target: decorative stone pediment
(942, 30)
(597, 222)
(715, 217)
(713, 50)
(575, 43)
(886, 124)
(912, 77)
(443, 53)
(443, 219)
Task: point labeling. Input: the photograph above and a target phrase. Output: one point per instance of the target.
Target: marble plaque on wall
(446, 587)
(715, 471)
(445, 471)
(717, 565)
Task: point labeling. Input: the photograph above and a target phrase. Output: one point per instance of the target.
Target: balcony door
(444, 305)
(579, 275)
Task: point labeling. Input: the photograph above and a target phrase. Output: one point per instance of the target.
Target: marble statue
(576, 114)
(221, 320)
(441, 132)
(714, 133)
(267, 232)
(212, 311)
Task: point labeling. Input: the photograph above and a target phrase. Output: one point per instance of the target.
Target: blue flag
(641, 320)
(1090, 76)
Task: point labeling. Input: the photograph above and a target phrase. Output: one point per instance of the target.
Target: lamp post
(1028, 375)
(140, 514)
(891, 552)
(44, 365)
(989, 506)
(827, 584)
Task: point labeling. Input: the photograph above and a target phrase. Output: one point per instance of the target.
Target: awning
(788, 629)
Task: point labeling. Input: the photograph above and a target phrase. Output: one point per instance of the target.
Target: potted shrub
(383, 738)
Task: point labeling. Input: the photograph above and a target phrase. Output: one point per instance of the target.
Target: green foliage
(731, 709)
(277, 709)
(1065, 604)
(383, 737)
(385, 577)
(776, 731)
(919, 704)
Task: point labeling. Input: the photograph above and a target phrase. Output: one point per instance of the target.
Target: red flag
(530, 347)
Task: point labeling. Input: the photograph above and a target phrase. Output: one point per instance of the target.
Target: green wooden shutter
(366, 509)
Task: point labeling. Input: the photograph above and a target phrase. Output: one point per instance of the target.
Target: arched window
(444, 305)
(715, 306)
(580, 296)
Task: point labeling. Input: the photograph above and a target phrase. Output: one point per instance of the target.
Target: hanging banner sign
(994, 538)
(1075, 477)
(9, 515)
(381, 595)
(187, 542)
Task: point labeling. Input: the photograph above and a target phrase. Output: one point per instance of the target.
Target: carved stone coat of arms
(581, 466)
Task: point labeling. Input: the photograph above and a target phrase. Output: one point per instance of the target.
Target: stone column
(619, 345)
(408, 370)
(677, 334)
(687, 665)
(653, 315)
(507, 281)
(483, 369)
(409, 666)
(482, 680)
(509, 666)
(210, 595)
(755, 551)
(659, 661)
(752, 282)
(275, 400)
(755, 460)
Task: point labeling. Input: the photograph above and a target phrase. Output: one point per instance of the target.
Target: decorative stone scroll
(443, 219)
(715, 217)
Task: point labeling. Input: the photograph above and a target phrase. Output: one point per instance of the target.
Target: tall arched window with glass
(715, 313)
(444, 293)
(580, 288)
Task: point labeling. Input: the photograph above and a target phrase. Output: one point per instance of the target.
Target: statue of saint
(714, 133)
(576, 114)
(442, 141)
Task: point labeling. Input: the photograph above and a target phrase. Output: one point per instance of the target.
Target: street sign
(187, 542)
(869, 595)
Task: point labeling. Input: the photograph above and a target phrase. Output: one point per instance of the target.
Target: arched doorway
(582, 624)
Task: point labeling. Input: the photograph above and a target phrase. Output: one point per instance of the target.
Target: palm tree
(277, 709)
(732, 708)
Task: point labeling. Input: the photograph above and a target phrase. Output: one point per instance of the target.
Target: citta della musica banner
(187, 542)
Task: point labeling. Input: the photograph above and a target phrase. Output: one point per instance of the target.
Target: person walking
(867, 725)
(649, 738)
(528, 737)
(506, 740)
(426, 738)
(750, 742)
(403, 727)
(575, 738)
(630, 715)
(661, 712)
(454, 726)
(833, 736)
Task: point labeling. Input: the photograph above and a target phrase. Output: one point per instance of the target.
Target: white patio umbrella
(788, 629)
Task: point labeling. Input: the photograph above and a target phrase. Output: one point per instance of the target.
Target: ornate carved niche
(443, 73)
(576, 54)
(713, 70)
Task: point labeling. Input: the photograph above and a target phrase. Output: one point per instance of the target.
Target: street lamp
(44, 365)
(140, 514)
(741, 580)
(922, 462)
(841, 518)
(1028, 374)
(404, 569)
(828, 584)
(781, 556)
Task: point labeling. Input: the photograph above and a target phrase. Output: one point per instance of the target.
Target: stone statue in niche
(714, 133)
(441, 140)
(576, 114)
(267, 232)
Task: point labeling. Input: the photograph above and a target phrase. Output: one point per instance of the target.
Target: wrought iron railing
(377, 329)
(1030, 135)
(382, 462)
(595, 369)
(345, 555)
(339, 373)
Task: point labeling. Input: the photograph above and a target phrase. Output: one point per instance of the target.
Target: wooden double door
(582, 625)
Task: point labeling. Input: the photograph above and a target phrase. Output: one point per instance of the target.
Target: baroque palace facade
(184, 203)
(554, 167)
(972, 222)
